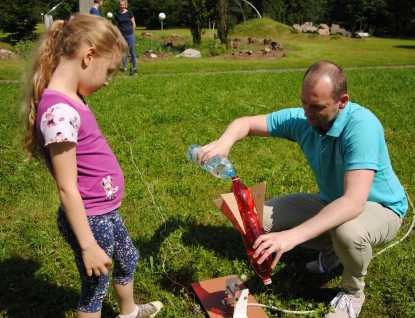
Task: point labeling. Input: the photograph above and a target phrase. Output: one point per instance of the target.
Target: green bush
(18, 17)
(144, 44)
(24, 48)
(294, 31)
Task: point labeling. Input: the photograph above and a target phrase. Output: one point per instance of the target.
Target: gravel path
(248, 71)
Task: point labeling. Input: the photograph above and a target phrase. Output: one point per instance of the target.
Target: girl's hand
(96, 261)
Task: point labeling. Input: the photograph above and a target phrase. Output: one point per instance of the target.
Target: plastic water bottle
(253, 229)
(218, 166)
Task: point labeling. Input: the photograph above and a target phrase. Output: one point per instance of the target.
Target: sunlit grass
(160, 116)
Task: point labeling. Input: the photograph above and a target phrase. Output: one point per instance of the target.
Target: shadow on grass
(23, 294)
(405, 47)
(291, 280)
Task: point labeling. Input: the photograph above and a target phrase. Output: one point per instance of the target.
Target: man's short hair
(97, 1)
(325, 69)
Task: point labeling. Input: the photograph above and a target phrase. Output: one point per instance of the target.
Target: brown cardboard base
(211, 293)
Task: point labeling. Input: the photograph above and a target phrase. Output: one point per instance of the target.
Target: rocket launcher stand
(214, 294)
(217, 302)
(236, 296)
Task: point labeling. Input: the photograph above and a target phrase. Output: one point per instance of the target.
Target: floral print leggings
(112, 236)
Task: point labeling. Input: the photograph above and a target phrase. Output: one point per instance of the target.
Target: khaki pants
(352, 241)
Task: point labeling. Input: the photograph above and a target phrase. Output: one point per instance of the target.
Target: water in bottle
(253, 229)
(218, 166)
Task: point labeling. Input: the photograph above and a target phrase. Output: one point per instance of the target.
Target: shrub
(18, 17)
(24, 48)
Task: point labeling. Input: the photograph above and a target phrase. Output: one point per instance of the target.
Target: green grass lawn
(168, 205)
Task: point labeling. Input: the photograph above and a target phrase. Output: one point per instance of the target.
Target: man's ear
(344, 99)
(89, 55)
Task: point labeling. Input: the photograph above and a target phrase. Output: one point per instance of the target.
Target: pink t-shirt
(100, 178)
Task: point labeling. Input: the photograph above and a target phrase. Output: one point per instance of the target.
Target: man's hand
(236, 131)
(96, 261)
(278, 243)
(220, 147)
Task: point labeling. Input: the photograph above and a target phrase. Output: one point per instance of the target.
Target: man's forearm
(334, 214)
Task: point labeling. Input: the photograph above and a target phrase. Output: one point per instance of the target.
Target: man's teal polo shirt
(355, 141)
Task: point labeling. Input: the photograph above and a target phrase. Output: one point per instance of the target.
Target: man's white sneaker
(346, 306)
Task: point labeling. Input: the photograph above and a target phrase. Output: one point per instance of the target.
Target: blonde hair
(63, 40)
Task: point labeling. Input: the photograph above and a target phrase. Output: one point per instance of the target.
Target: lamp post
(42, 17)
(162, 16)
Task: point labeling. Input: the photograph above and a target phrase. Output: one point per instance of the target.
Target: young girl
(75, 59)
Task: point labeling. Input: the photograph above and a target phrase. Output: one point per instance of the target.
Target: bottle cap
(232, 173)
(267, 281)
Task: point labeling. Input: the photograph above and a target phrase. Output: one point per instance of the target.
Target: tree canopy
(378, 17)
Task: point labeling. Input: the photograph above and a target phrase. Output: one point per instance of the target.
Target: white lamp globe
(109, 15)
(162, 16)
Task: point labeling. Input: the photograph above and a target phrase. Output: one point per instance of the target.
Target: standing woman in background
(124, 19)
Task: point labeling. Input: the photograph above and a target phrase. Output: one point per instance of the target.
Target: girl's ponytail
(44, 62)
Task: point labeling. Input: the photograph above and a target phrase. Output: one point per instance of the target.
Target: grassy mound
(263, 28)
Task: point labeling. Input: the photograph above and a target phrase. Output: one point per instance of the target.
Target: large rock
(343, 31)
(324, 26)
(6, 55)
(190, 53)
(335, 29)
(324, 29)
(297, 27)
(306, 25)
(309, 28)
(323, 32)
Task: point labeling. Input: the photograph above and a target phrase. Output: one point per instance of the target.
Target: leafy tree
(197, 19)
(64, 10)
(274, 9)
(110, 6)
(146, 13)
(402, 17)
(224, 21)
(19, 17)
(379, 17)
(350, 14)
